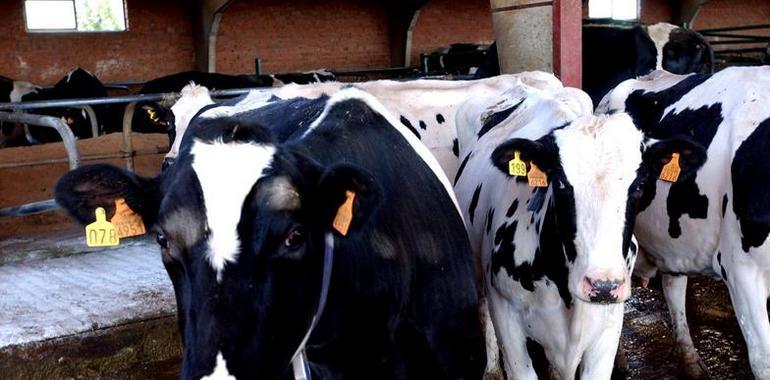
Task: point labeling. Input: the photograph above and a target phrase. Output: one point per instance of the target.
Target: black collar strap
(299, 363)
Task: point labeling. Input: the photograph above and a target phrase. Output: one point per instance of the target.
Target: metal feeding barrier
(727, 37)
(11, 112)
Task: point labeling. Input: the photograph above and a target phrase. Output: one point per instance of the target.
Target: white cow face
(598, 169)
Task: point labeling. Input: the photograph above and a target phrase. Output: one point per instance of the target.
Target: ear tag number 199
(101, 233)
(517, 167)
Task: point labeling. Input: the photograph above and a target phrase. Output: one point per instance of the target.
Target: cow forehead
(226, 173)
(600, 155)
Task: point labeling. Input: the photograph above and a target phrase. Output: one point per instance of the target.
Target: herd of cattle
(483, 221)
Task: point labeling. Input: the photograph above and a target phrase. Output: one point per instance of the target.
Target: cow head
(154, 117)
(241, 224)
(599, 169)
(686, 51)
(192, 99)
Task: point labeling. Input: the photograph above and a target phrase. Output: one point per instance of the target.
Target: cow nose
(167, 162)
(603, 289)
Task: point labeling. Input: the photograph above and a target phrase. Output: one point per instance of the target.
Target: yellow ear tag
(101, 233)
(517, 167)
(126, 221)
(344, 214)
(671, 170)
(536, 177)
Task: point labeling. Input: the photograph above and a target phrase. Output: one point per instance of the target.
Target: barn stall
(69, 311)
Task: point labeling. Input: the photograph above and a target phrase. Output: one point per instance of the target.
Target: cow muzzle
(604, 289)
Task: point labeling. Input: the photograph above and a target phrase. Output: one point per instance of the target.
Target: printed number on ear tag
(344, 214)
(101, 233)
(517, 167)
(671, 170)
(536, 177)
(126, 221)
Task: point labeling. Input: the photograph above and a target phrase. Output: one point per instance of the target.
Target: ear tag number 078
(101, 233)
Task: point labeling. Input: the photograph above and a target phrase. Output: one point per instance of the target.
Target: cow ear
(530, 151)
(347, 191)
(692, 156)
(82, 190)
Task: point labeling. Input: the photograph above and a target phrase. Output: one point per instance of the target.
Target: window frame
(72, 31)
(616, 20)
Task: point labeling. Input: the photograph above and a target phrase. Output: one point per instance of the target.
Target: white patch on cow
(225, 182)
(376, 106)
(220, 370)
(659, 34)
(277, 82)
(600, 156)
(21, 88)
(253, 100)
(193, 98)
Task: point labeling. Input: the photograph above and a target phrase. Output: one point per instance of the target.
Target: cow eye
(162, 241)
(295, 239)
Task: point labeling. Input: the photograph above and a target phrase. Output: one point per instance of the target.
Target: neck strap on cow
(299, 363)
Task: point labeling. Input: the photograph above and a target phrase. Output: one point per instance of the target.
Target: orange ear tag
(101, 233)
(671, 170)
(517, 167)
(126, 221)
(344, 214)
(536, 177)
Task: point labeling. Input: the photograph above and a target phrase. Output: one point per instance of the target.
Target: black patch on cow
(724, 205)
(751, 187)
(440, 118)
(700, 125)
(462, 167)
(409, 125)
(512, 208)
(490, 218)
(721, 268)
(456, 148)
(422, 125)
(539, 359)
(537, 226)
(496, 118)
(535, 203)
(474, 202)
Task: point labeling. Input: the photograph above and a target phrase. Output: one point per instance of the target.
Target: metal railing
(73, 157)
(728, 37)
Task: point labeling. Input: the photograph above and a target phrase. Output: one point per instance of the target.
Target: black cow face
(598, 179)
(241, 226)
(685, 52)
(152, 117)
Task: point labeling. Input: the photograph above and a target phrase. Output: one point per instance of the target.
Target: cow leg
(599, 358)
(689, 362)
(748, 291)
(511, 338)
(494, 370)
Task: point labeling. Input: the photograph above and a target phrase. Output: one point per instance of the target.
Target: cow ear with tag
(528, 159)
(347, 196)
(81, 191)
(673, 159)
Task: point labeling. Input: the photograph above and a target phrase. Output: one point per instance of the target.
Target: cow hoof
(693, 369)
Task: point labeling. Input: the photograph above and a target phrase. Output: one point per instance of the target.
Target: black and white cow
(156, 117)
(245, 225)
(612, 54)
(557, 259)
(717, 222)
(427, 108)
(11, 90)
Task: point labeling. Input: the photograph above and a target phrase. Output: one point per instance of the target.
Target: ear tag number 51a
(101, 233)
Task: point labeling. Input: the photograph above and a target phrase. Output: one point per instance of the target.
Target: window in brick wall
(614, 9)
(75, 15)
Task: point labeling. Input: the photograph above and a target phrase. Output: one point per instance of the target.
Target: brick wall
(159, 41)
(443, 22)
(302, 35)
(725, 13)
(287, 36)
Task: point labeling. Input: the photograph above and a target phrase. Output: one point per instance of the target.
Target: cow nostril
(603, 290)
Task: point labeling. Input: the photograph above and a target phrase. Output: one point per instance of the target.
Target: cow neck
(299, 362)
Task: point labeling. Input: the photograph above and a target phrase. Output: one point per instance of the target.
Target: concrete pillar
(539, 35)
(206, 17)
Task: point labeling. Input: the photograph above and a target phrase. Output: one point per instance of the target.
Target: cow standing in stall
(247, 224)
(557, 252)
(717, 222)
